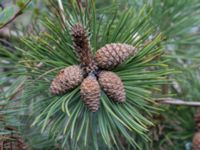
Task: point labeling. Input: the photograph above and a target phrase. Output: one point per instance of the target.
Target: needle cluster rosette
(94, 72)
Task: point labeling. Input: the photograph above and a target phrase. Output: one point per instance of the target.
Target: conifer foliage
(106, 58)
(90, 80)
(91, 42)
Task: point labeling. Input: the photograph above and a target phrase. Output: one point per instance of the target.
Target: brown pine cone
(196, 141)
(112, 86)
(90, 93)
(197, 121)
(12, 142)
(67, 79)
(83, 48)
(112, 55)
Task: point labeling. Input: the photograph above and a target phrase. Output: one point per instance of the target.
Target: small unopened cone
(82, 48)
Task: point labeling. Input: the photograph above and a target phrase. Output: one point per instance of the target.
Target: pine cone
(196, 141)
(67, 79)
(112, 86)
(112, 55)
(83, 48)
(197, 121)
(13, 142)
(90, 93)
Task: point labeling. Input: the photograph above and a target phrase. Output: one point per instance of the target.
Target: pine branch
(172, 101)
(19, 12)
(56, 49)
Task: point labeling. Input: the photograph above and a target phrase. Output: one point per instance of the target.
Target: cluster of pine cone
(196, 138)
(93, 73)
(12, 142)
